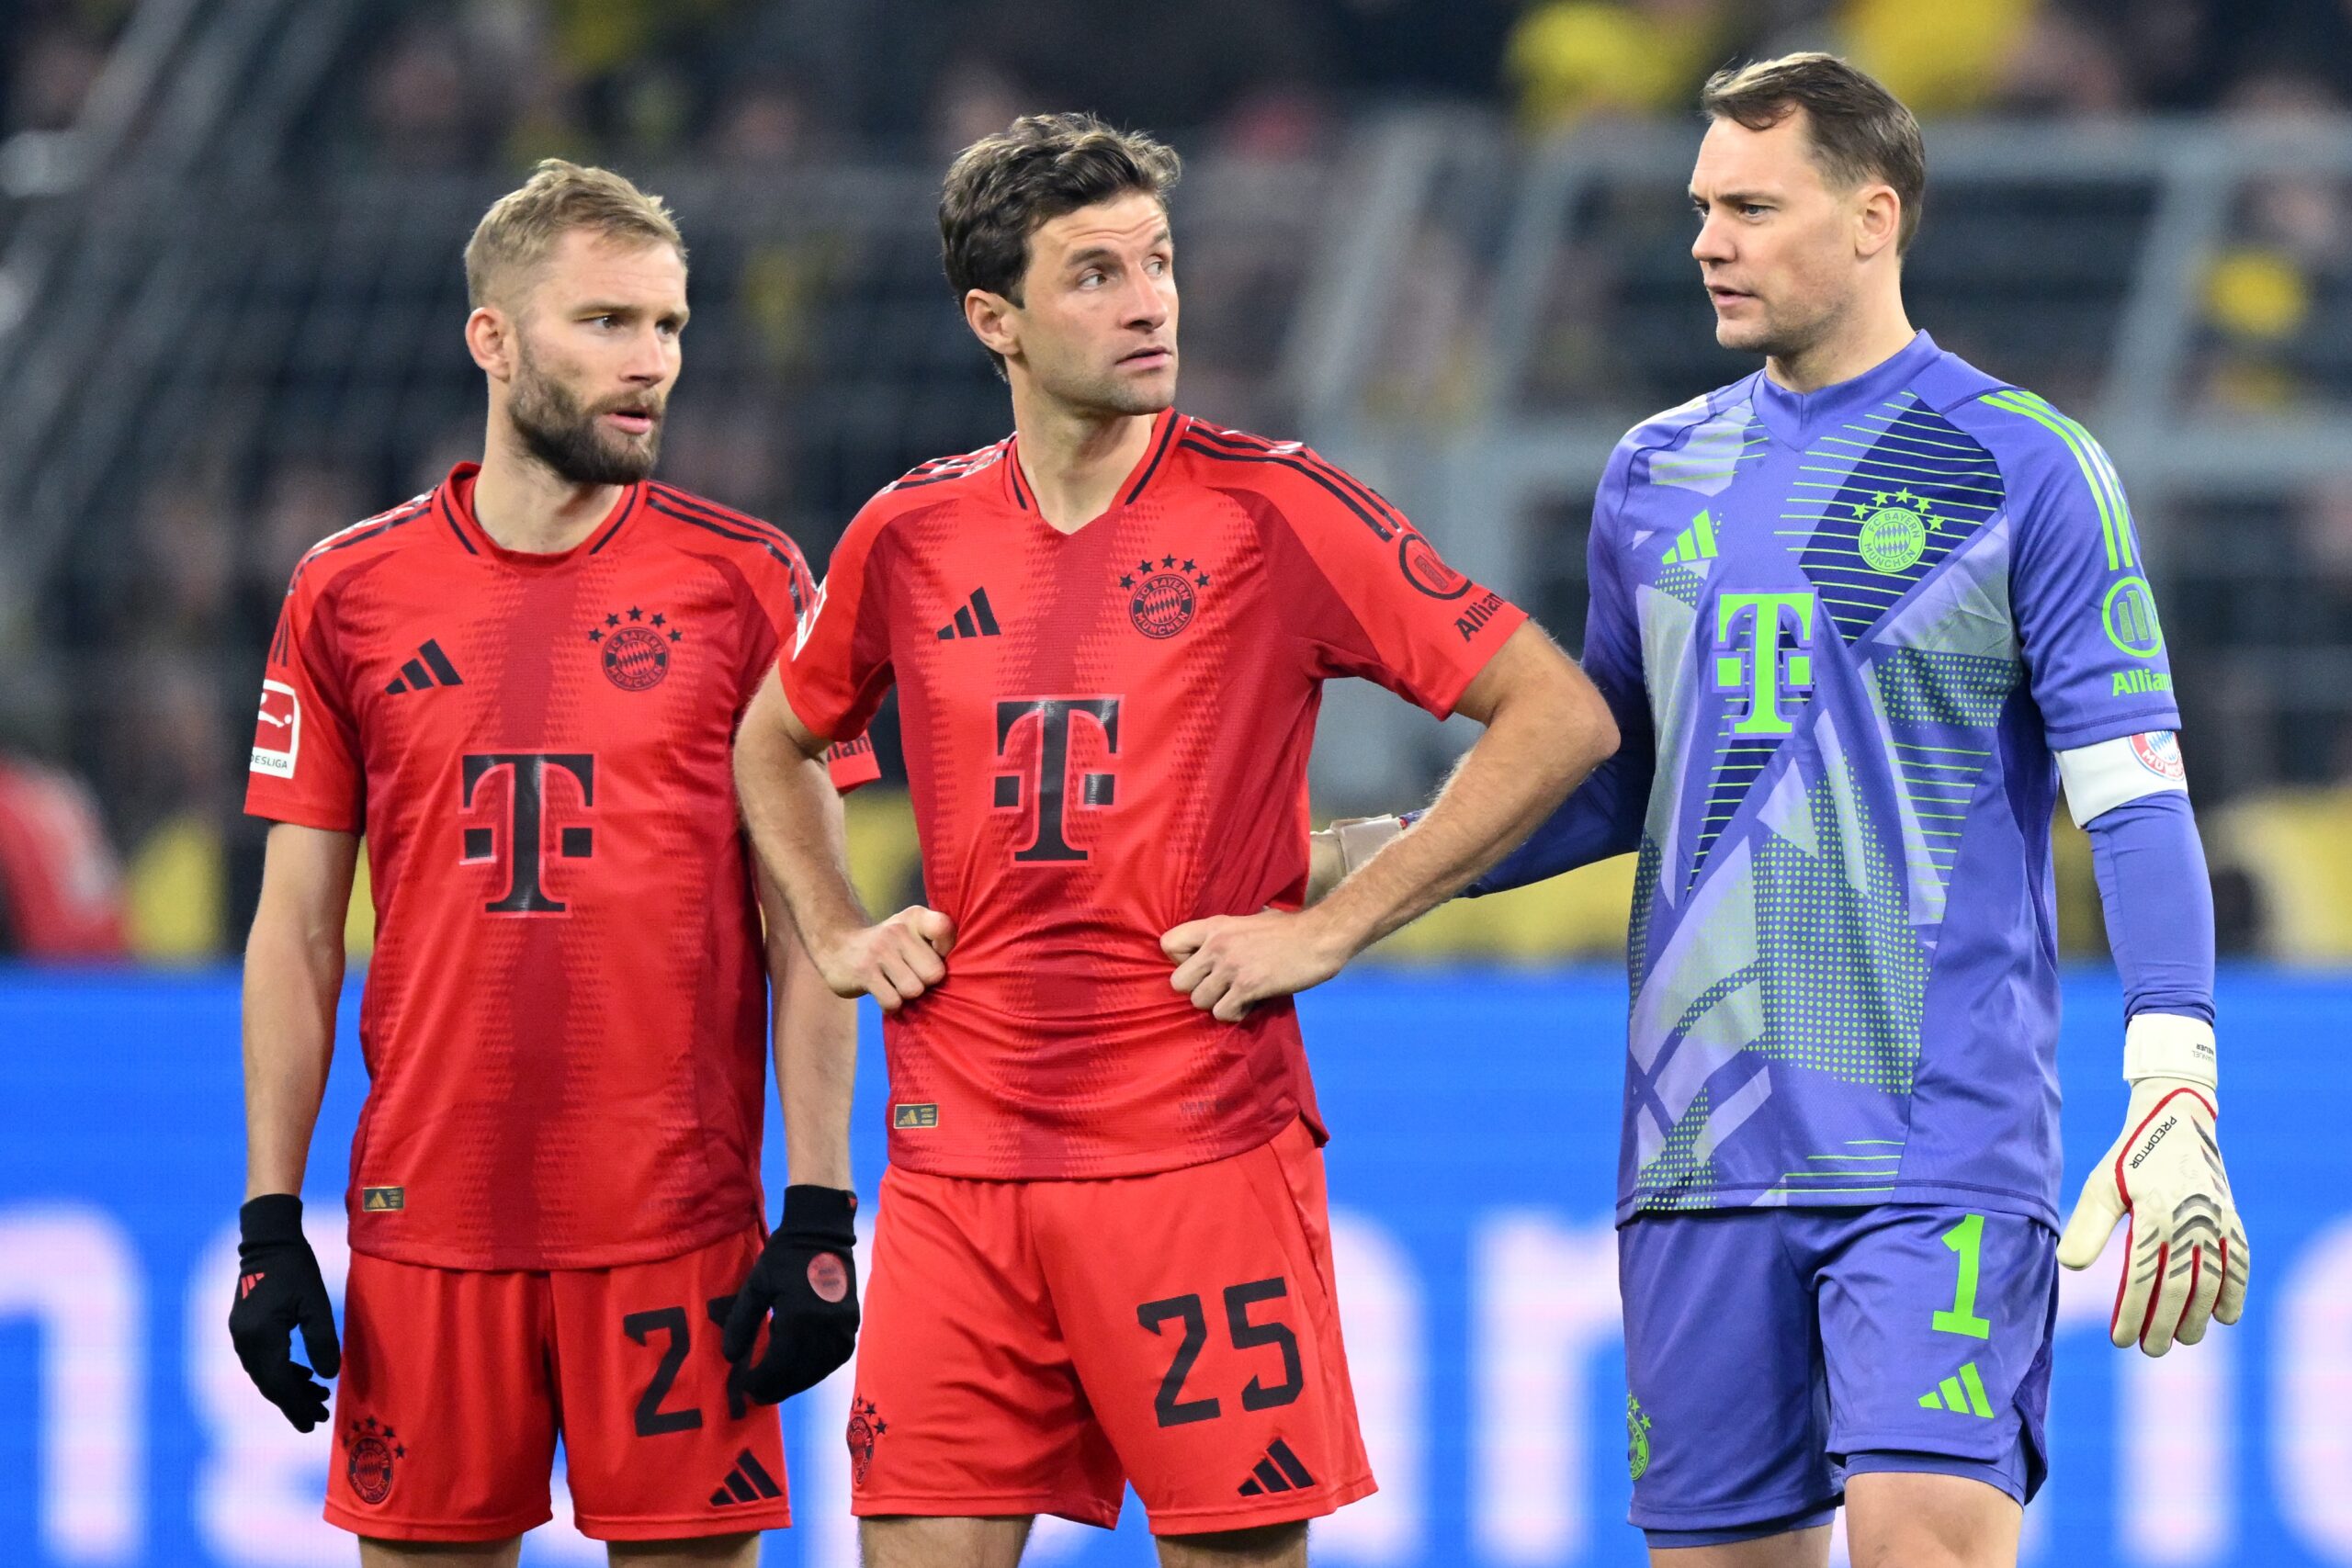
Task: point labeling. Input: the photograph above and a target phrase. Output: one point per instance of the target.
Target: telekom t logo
(525, 822)
(1051, 786)
(1761, 668)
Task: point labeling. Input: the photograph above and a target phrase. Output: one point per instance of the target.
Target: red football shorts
(1031, 1347)
(456, 1383)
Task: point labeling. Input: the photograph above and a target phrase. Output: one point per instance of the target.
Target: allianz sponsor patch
(277, 731)
(382, 1200)
(914, 1118)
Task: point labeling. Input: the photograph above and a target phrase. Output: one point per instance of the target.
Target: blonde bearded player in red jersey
(1101, 1255)
(522, 688)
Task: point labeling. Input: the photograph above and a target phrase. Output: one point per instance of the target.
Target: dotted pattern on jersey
(1958, 688)
(1637, 930)
(1903, 458)
(1683, 581)
(1845, 976)
(1673, 1166)
(1676, 1178)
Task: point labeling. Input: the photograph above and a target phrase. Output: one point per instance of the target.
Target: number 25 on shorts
(1170, 1403)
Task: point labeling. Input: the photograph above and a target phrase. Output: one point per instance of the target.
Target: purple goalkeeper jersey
(1843, 632)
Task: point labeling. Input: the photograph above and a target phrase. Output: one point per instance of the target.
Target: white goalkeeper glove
(2184, 1255)
(1339, 852)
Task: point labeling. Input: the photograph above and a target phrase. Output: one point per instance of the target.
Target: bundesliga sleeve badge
(277, 731)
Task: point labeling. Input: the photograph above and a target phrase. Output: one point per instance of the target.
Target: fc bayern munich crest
(1161, 598)
(370, 1453)
(865, 1427)
(634, 647)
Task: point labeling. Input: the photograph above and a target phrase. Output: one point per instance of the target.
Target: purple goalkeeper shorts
(1772, 1352)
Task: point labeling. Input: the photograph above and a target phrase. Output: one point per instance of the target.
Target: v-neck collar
(1164, 428)
(1793, 416)
(455, 500)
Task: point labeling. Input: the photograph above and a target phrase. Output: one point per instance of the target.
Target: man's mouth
(1150, 357)
(1725, 295)
(634, 421)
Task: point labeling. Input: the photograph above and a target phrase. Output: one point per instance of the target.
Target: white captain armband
(2100, 777)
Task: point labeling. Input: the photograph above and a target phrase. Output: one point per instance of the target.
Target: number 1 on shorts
(1967, 1238)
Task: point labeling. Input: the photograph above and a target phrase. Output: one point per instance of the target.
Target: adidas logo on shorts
(1278, 1472)
(747, 1483)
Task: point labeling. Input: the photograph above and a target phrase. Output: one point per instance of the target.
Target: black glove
(278, 1288)
(808, 1276)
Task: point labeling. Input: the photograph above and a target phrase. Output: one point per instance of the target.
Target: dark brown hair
(1002, 188)
(1859, 130)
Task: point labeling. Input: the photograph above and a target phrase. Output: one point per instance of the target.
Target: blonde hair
(524, 225)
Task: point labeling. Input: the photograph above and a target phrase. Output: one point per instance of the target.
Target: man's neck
(526, 506)
(1074, 459)
(1856, 344)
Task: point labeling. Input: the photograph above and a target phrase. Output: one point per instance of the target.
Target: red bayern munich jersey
(565, 1019)
(1106, 734)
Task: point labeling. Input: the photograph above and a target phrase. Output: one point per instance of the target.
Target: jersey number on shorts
(676, 1327)
(1173, 1408)
(1967, 1238)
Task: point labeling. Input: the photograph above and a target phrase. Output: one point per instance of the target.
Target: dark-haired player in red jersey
(521, 688)
(1101, 1254)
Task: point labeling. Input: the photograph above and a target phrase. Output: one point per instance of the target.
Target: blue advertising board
(1475, 1117)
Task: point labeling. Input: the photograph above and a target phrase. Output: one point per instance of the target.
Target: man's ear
(994, 320)
(1878, 220)
(489, 338)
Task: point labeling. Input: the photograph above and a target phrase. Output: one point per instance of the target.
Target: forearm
(1603, 818)
(1530, 757)
(795, 819)
(2158, 900)
(293, 978)
(816, 1063)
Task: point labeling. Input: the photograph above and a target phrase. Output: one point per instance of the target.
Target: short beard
(563, 435)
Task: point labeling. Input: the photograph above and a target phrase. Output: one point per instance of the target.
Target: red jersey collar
(1164, 430)
(454, 500)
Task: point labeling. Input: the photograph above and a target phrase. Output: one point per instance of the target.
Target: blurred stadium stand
(1445, 242)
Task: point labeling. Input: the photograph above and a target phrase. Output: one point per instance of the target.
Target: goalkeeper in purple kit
(1858, 615)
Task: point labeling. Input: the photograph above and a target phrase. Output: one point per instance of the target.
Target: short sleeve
(305, 767)
(788, 595)
(1373, 596)
(838, 667)
(2086, 620)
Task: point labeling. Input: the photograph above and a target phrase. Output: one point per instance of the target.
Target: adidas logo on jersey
(1696, 543)
(747, 1483)
(430, 667)
(974, 619)
(1278, 1472)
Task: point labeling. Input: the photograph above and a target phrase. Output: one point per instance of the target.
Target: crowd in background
(167, 610)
